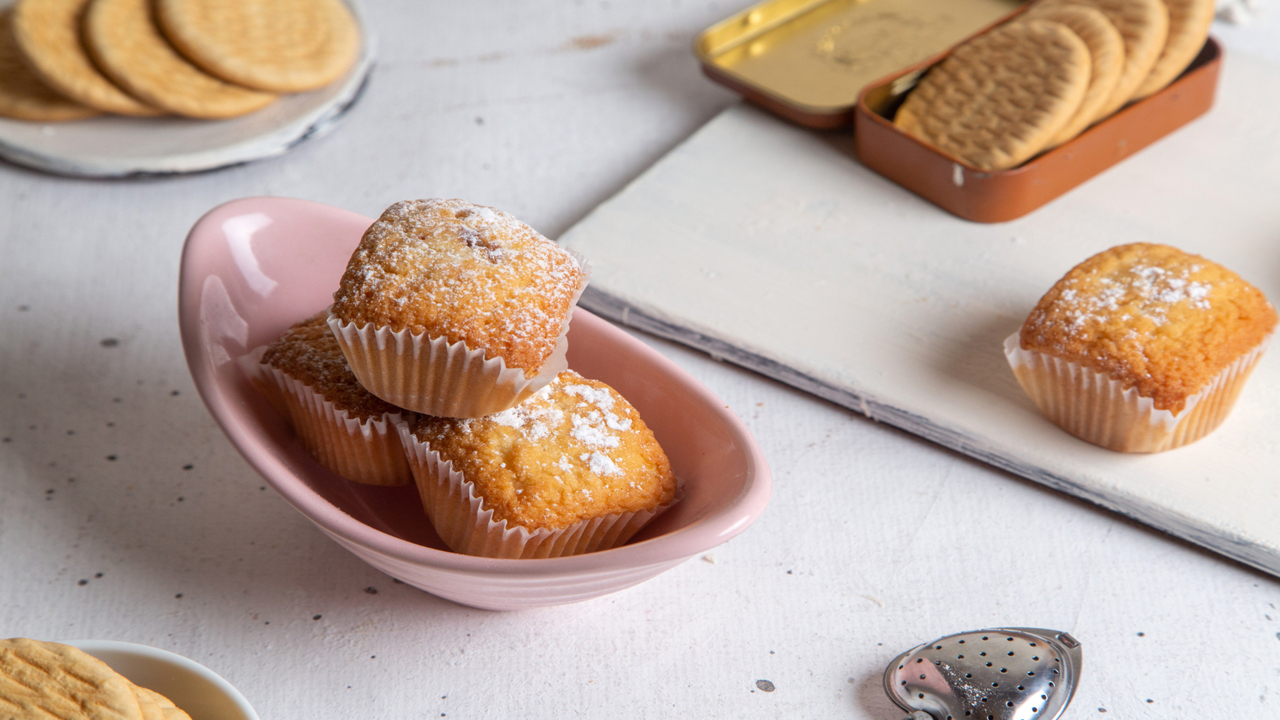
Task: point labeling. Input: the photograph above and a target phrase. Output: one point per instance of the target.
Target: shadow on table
(117, 468)
(871, 699)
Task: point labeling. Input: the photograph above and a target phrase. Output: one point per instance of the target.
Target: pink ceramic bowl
(253, 267)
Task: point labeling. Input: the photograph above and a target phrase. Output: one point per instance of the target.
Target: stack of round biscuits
(210, 59)
(50, 680)
(1047, 75)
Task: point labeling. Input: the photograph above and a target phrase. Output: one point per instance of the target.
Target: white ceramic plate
(199, 691)
(117, 146)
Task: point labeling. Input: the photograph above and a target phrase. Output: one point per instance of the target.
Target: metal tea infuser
(997, 674)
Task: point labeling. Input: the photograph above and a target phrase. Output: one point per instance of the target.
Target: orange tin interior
(999, 196)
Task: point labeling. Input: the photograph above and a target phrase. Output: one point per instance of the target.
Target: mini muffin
(571, 470)
(1141, 348)
(454, 309)
(343, 426)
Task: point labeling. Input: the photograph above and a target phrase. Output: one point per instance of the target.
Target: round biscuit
(174, 713)
(996, 100)
(123, 37)
(1144, 25)
(1189, 22)
(47, 681)
(48, 34)
(146, 705)
(160, 700)
(1106, 55)
(273, 45)
(24, 96)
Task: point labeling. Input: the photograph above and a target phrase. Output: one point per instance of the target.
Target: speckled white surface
(874, 541)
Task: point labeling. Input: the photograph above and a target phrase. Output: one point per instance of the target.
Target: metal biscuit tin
(807, 60)
(998, 196)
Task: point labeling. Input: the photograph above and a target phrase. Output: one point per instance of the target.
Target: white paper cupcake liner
(466, 526)
(367, 452)
(1098, 409)
(432, 376)
(251, 365)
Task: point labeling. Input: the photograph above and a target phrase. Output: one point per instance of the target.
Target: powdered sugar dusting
(465, 271)
(600, 463)
(310, 354)
(535, 418)
(554, 459)
(568, 407)
(1146, 290)
(603, 403)
(1151, 317)
(587, 430)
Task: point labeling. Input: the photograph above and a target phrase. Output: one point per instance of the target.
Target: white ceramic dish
(116, 146)
(194, 688)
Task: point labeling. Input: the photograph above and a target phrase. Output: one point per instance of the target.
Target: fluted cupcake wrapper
(467, 527)
(253, 368)
(432, 376)
(366, 452)
(1098, 409)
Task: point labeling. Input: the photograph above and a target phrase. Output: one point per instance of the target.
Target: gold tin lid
(808, 59)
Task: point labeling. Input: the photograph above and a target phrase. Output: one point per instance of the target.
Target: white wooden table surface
(125, 514)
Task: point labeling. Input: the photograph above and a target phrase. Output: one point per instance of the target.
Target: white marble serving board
(768, 245)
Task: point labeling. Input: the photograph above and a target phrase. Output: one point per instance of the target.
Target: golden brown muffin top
(466, 272)
(574, 450)
(308, 353)
(1153, 317)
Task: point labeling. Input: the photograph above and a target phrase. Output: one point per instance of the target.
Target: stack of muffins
(442, 361)
(209, 59)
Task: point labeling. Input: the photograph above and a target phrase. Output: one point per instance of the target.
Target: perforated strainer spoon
(997, 674)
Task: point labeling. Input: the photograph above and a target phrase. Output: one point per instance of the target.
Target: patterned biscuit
(1144, 25)
(1106, 54)
(48, 681)
(997, 99)
(1189, 22)
(150, 710)
(124, 39)
(161, 701)
(22, 94)
(168, 710)
(273, 45)
(48, 34)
